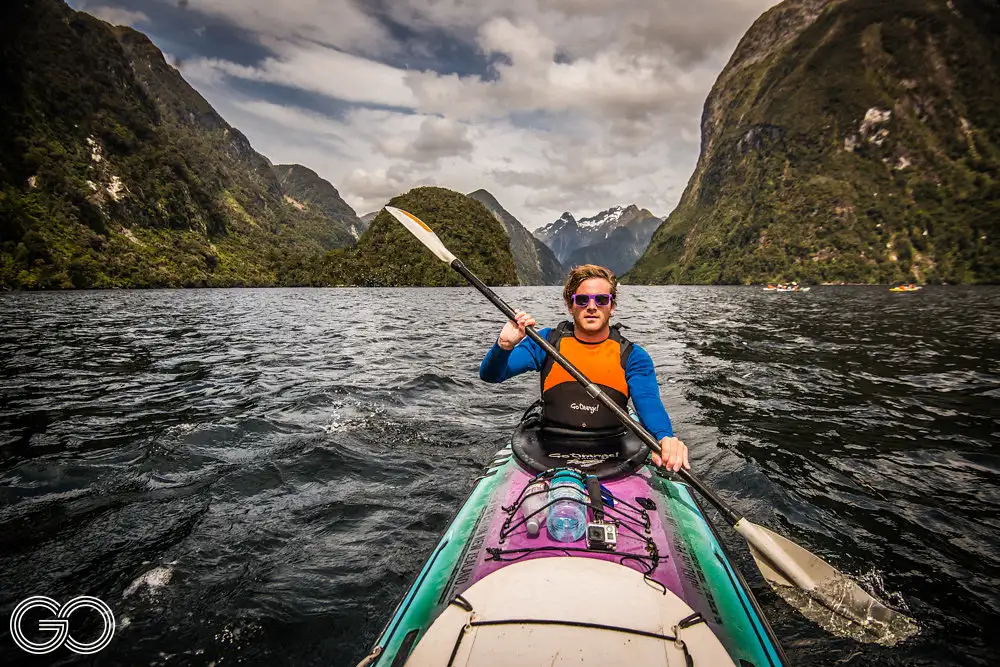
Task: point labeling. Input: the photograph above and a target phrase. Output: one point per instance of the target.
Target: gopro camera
(602, 536)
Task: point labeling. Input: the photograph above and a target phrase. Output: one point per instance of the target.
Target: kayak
(629, 569)
(667, 593)
(658, 589)
(904, 288)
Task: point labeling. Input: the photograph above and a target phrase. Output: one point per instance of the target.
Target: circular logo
(59, 625)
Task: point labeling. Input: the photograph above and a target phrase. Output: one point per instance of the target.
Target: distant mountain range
(615, 238)
(536, 264)
(845, 141)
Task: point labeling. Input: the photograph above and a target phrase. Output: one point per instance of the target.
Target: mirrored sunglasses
(583, 300)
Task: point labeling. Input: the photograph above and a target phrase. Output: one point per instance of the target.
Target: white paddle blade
(419, 229)
(783, 562)
(790, 568)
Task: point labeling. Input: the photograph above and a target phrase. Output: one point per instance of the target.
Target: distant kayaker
(622, 369)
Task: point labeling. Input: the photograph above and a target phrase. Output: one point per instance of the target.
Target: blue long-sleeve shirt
(500, 364)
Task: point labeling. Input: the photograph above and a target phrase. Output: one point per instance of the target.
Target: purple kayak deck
(627, 489)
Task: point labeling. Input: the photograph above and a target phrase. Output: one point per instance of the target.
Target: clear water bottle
(567, 517)
(535, 498)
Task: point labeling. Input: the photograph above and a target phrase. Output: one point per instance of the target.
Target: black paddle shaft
(595, 391)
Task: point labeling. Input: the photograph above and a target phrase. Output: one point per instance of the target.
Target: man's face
(592, 318)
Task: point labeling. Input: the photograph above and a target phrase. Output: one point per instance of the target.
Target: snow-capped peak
(556, 226)
(604, 218)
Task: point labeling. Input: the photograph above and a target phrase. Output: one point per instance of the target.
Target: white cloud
(437, 138)
(298, 125)
(611, 84)
(338, 23)
(116, 15)
(692, 30)
(376, 187)
(321, 70)
(525, 43)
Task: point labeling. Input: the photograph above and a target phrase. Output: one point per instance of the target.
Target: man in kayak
(622, 369)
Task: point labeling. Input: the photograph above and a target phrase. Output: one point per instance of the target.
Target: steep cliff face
(387, 255)
(562, 236)
(536, 264)
(114, 172)
(847, 140)
(304, 189)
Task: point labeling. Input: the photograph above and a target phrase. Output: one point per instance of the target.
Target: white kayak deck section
(567, 611)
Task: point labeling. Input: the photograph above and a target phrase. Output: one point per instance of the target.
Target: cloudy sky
(551, 105)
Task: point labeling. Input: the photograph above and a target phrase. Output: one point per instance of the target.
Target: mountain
(536, 265)
(388, 255)
(562, 236)
(855, 141)
(114, 172)
(630, 231)
(303, 188)
(367, 218)
(593, 240)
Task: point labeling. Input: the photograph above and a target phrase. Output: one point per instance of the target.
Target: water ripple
(257, 475)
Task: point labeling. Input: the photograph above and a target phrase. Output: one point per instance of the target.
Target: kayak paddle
(786, 566)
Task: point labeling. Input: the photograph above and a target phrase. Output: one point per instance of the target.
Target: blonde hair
(586, 272)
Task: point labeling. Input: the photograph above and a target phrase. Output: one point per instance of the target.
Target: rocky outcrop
(303, 188)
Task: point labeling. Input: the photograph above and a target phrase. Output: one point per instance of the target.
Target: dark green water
(278, 463)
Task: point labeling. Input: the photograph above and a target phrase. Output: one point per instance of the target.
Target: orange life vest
(565, 402)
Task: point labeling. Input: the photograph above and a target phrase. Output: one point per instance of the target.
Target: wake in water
(831, 607)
